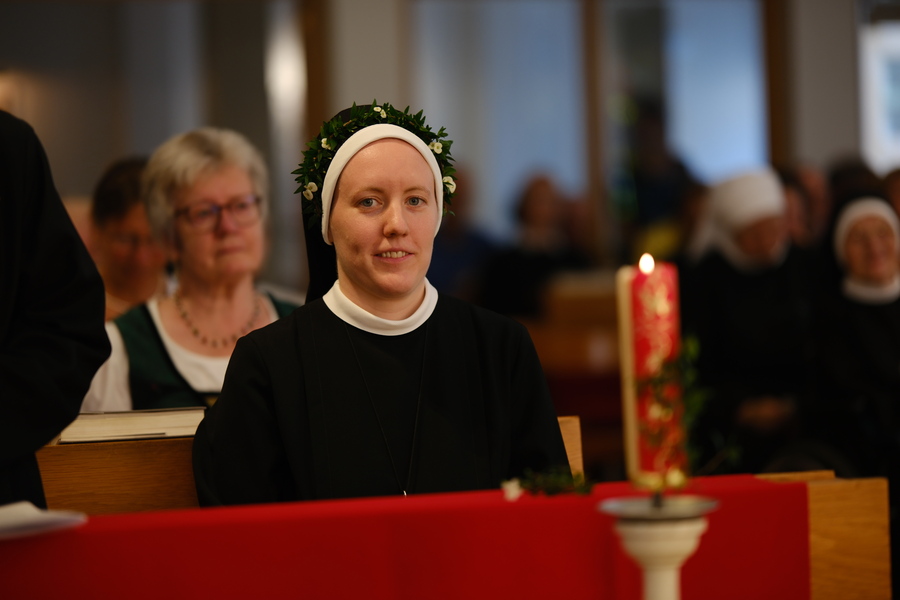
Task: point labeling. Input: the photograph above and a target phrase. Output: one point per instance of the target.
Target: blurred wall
(367, 50)
(824, 66)
(61, 65)
(72, 67)
(99, 80)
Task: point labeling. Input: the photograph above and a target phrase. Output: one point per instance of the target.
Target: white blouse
(110, 390)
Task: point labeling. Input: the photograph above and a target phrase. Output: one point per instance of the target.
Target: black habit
(52, 338)
(858, 350)
(314, 408)
(754, 331)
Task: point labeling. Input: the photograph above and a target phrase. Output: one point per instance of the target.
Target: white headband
(360, 140)
(856, 210)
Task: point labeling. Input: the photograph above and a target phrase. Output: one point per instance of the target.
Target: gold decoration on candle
(649, 333)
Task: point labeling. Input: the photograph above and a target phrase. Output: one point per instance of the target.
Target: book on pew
(133, 425)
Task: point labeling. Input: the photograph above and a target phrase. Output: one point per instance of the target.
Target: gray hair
(181, 160)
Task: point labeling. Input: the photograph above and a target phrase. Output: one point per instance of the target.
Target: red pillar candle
(649, 340)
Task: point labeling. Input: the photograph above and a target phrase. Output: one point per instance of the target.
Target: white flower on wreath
(451, 185)
(326, 144)
(309, 190)
(380, 111)
(436, 147)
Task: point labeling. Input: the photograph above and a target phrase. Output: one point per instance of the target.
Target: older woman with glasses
(206, 198)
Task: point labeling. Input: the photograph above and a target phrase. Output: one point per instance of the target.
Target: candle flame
(646, 264)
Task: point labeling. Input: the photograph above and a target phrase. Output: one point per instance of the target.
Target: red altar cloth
(461, 545)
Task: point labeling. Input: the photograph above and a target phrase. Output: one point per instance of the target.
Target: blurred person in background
(799, 208)
(859, 337)
(130, 259)
(460, 249)
(206, 193)
(515, 277)
(662, 182)
(747, 301)
(848, 178)
(815, 186)
(858, 350)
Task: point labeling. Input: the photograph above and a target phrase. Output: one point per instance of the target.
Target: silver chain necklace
(412, 451)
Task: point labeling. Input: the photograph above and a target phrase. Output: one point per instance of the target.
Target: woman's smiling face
(383, 222)
(871, 251)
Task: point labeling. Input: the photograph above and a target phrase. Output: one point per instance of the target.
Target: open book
(133, 425)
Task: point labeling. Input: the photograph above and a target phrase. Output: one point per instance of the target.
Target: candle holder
(660, 534)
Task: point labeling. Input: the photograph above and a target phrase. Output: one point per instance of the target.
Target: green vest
(152, 377)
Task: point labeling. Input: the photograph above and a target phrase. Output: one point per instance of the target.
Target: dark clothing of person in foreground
(52, 338)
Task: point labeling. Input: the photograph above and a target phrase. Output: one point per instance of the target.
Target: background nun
(746, 298)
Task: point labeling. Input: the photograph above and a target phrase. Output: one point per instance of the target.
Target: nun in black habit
(858, 351)
(381, 386)
(747, 302)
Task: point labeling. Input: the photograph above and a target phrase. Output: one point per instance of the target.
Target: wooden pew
(137, 475)
(576, 339)
(849, 535)
(570, 427)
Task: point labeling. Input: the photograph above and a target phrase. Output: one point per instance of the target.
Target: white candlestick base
(660, 538)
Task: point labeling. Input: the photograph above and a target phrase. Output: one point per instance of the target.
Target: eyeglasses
(205, 216)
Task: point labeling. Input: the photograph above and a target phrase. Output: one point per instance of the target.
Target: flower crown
(317, 159)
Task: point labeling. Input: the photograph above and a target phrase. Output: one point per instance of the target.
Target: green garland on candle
(682, 371)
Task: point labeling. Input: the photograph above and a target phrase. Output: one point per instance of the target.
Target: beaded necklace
(211, 341)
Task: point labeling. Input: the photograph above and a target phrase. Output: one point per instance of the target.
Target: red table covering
(459, 545)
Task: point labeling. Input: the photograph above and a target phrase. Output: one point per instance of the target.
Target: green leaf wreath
(321, 150)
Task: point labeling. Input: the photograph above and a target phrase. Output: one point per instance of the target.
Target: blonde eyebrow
(418, 188)
(379, 190)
